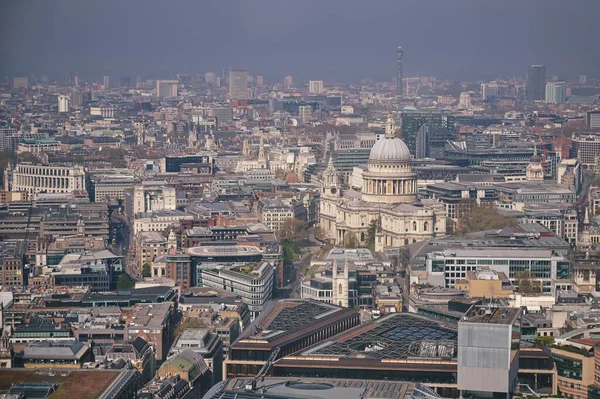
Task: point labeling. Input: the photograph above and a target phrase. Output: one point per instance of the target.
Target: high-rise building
(315, 86)
(166, 88)
(79, 98)
(536, 83)
(489, 91)
(464, 100)
(412, 122)
(593, 119)
(106, 82)
(304, 113)
(20, 82)
(582, 79)
(259, 81)
(210, 78)
(288, 82)
(63, 104)
(556, 92)
(399, 88)
(238, 84)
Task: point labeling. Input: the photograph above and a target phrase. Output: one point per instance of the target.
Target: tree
(146, 272)
(544, 341)
(280, 174)
(125, 282)
(293, 229)
(480, 217)
(526, 284)
(371, 233)
(350, 240)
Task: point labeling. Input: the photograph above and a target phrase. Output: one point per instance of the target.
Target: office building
(211, 78)
(288, 82)
(536, 83)
(412, 122)
(399, 86)
(238, 84)
(556, 92)
(35, 179)
(192, 370)
(166, 88)
(149, 198)
(63, 104)
(103, 111)
(204, 343)
(585, 148)
(315, 86)
(489, 340)
(304, 113)
(464, 101)
(55, 354)
(593, 119)
(154, 322)
(396, 347)
(489, 91)
(80, 98)
(106, 82)
(259, 81)
(290, 325)
(447, 268)
(252, 282)
(431, 141)
(20, 82)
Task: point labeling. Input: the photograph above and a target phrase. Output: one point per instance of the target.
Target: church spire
(261, 149)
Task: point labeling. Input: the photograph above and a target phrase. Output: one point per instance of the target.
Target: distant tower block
(399, 87)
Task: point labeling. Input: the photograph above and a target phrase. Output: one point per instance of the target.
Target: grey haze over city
(342, 40)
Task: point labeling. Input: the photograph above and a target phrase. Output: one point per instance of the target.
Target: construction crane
(542, 144)
(251, 386)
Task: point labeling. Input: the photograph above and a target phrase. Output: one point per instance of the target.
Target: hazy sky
(309, 39)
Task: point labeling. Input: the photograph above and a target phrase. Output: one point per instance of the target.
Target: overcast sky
(309, 39)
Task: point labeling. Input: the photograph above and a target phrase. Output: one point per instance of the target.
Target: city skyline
(451, 41)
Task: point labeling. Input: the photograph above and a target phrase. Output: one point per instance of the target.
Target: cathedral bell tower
(340, 284)
(331, 181)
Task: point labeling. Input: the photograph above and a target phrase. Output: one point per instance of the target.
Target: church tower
(172, 240)
(331, 181)
(340, 284)
(246, 148)
(262, 157)
(535, 170)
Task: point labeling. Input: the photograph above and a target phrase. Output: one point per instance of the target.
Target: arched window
(340, 290)
(362, 236)
(425, 225)
(414, 226)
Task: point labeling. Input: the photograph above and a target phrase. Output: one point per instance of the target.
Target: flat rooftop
(490, 315)
(226, 250)
(311, 388)
(80, 384)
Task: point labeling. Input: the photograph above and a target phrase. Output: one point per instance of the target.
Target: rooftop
(491, 315)
(285, 319)
(228, 250)
(309, 388)
(395, 336)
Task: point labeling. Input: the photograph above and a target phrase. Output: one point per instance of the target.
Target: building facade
(389, 198)
(35, 179)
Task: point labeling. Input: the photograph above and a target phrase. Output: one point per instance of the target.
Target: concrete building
(192, 369)
(20, 82)
(489, 91)
(305, 113)
(35, 179)
(536, 83)
(204, 343)
(63, 104)
(585, 148)
(166, 88)
(315, 86)
(106, 82)
(103, 111)
(486, 283)
(288, 82)
(149, 198)
(37, 146)
(155, 322)
(274, 213)
(593, 119)
(464, 100)
(55, 354)
(254, 283)
(447, 268)
(556, 92)
(238, 84)
(488, 351)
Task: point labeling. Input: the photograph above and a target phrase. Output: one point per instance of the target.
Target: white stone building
(389, 196)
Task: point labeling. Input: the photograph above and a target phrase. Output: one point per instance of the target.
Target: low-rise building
(55, 354)
(205, 343)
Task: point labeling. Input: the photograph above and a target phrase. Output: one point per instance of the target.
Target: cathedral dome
(390, 150)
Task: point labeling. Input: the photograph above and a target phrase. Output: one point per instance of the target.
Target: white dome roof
(389, 150)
